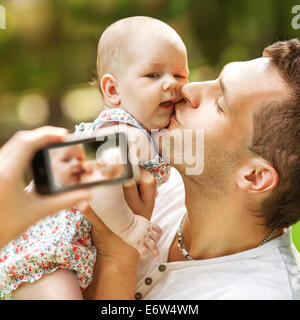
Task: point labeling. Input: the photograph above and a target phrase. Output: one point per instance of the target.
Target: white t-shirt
(271, 271)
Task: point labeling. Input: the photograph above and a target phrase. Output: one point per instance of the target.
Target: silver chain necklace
(186, 255)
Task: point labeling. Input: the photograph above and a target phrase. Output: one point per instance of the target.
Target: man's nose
(192, 93)
(170, 83)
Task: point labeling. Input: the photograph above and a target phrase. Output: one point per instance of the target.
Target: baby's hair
(114, 41)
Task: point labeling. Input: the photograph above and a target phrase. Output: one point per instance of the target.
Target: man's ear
(257, 176)
(109, 87)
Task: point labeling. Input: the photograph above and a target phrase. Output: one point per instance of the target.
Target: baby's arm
(134, 229)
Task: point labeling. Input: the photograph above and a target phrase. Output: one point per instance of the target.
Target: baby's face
(150, 84)
(67, 164)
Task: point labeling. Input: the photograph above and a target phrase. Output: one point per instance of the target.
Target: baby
(70, 166)
(67, 164)
(142, 66)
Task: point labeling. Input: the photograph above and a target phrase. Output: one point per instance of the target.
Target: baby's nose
(170, 83)
(76, 163)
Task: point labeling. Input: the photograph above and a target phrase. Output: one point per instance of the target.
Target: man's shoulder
(291, 258)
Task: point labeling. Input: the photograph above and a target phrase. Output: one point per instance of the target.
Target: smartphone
(82, 163)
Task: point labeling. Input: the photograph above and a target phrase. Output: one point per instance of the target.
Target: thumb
(147, 186)
(132, 197)
(88, 212)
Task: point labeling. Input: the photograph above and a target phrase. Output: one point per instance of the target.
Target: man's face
(224, 107)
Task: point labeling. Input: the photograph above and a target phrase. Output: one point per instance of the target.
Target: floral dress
(63, 240)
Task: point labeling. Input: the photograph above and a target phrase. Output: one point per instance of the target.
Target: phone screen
(85, 163)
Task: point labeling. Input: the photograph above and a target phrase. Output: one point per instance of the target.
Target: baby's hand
(143, 236)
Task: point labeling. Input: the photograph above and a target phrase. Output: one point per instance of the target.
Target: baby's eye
(152, 75)
(178, 76)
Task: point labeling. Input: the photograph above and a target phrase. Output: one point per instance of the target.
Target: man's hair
(276, 138)
(115, 40)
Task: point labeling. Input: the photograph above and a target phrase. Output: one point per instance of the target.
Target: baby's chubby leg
(59, 285)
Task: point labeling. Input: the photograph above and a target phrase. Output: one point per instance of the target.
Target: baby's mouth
(76, 177)
(171, 103)
(167, 104)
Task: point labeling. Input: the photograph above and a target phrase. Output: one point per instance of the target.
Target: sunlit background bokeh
(48, 50)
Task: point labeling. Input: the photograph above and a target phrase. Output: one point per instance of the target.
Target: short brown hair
(276, 138)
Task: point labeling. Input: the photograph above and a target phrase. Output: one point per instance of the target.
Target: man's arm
(113, 280)
(116, 263)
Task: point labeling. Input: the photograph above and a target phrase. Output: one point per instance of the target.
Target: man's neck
(217, 228)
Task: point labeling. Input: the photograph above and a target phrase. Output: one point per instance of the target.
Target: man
(248, 193)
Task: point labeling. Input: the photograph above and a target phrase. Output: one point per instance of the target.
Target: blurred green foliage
(49, 47)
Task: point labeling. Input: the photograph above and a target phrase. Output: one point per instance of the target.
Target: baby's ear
(109, 87)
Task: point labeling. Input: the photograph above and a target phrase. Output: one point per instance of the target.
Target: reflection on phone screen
(85, 163)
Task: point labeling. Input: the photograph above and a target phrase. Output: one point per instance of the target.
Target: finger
(152, 246)
(132, 197)
(155, 236)
(143, 252)
(142, 193)
(47, 205)
(147, 189)
(24, 144)
(146, 185)
(157, 229)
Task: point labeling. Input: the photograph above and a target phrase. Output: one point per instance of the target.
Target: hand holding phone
(95, 161)
(18, 208)
(82, 162)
